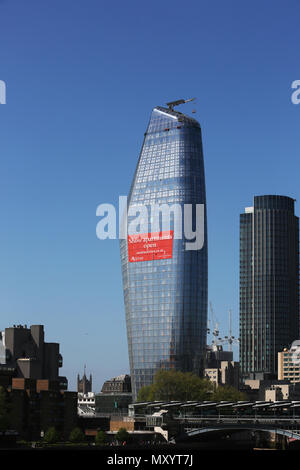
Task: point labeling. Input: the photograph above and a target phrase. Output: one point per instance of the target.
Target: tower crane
(171, 104)
(215, 332)
(230, 339)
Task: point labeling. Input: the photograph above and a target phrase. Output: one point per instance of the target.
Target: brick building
(37, 405)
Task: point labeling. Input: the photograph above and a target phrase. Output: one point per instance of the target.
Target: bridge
(180, 421)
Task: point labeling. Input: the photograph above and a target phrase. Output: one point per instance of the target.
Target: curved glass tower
(165, 287)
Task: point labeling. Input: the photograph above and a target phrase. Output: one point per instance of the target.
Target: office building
(164, 279)
(269, 283)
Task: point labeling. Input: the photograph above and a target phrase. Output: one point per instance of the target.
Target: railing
(237, 418)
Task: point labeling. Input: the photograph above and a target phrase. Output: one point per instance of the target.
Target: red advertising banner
(150, 246)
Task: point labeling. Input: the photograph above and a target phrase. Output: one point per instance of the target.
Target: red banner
(150, 246)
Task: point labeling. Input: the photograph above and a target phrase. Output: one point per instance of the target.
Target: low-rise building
(37, 405)
(115, 396)
(288, 366)
(226, 374)
(267, 389)
(86, 403)
(119, 384)
(220, 368)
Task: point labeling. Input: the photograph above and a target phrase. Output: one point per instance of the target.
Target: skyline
(77, 105)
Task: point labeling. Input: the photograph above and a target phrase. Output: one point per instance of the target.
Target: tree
(77, 435)
(52, 436)
(227, 393)
(171, 385)
(4, 410)
(122, 435)
(145, 394)
(101, 438)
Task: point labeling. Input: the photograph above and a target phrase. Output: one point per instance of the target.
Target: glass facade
(166, 299)
(269, 282)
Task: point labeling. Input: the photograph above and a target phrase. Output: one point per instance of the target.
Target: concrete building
(282, 391)
(220, 367)
(25, 354)
(37, 396)
(288, 366)
(226, 374)
(267, 389)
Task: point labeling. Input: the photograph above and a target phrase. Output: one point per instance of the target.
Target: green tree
(145, 394)
(52, 436)
(101, 438)
(226, 393)
(77, 435)
(122, 435)
(175, 385)
(4, 410)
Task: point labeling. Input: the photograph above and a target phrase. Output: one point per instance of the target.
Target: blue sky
(82, 78)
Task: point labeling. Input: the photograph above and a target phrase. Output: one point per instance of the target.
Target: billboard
(150, 246)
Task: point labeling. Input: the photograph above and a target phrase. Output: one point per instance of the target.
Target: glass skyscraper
(165, 290)
(269, 283)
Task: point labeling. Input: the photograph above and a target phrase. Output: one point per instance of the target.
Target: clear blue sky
(82, 78)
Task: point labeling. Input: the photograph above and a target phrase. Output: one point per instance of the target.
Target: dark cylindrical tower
(269, 282)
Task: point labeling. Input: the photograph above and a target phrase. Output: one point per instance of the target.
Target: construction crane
(230, 339)
(215, 332)
(171, 104)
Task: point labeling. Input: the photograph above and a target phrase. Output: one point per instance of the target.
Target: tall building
(269, 283)
(164, 280)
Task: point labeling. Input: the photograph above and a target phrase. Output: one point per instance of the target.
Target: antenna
(171, 104)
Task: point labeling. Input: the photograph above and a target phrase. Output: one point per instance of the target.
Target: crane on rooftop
(171, 104)
(215, 332)
(230, 339)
